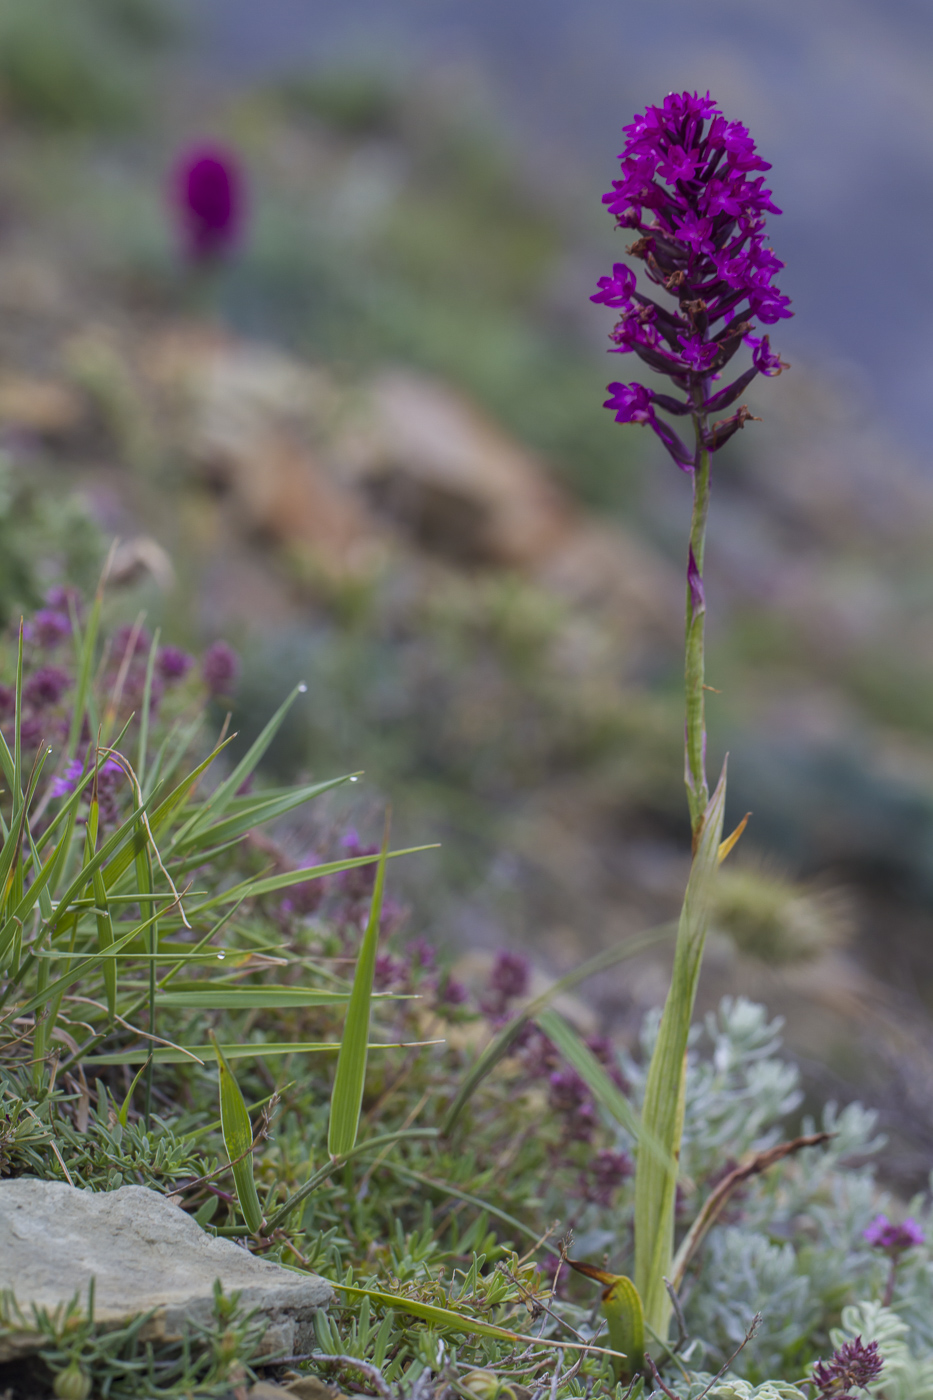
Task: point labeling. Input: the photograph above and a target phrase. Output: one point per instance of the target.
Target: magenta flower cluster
(894, 1239)
(853, 1366)
(690, 188)
(207, 194)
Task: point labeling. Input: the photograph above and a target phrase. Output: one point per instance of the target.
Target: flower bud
(73, 1383)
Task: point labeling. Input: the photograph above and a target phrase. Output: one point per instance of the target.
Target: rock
(143, 1253)
(450, 478)
(41, 406)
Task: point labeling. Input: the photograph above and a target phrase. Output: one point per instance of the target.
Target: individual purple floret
(220, 668)
(208, 201)
(884, 1234)
(853, 1366)
(49, 627)
(173, 664)
(46, 686)
(689, 189)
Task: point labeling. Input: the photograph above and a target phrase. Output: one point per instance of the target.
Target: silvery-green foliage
(907, 1374)
(744, 1272)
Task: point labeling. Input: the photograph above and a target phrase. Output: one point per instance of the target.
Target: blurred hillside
(368, 449)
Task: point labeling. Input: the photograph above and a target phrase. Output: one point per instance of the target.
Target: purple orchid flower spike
(688, 188)
(207, 196)
(692, 192)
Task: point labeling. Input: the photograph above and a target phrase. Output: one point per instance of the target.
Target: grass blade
(173, 1055)
(347, 1097)
(237, 1134)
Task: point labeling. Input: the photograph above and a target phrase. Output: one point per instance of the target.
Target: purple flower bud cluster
(894, 1239)
(853, 1366)
(691, 190)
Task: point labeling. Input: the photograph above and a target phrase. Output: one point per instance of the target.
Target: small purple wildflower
(46, 686)
(510, 975)
(853, 1366)
(109, 775)
(359, 882)
(689, 189)
(207, 194)
(64, 785)
(603, 1174)
(884, 1234)
(452, 993)
(421, 954)
(49, 627)
(305, 898)
(220, 668)
(388, 972)
(173, 664)
(569, 1096)
(63, 596)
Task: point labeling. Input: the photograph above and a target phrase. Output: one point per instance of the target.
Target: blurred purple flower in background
(46, 686)
(207, 198)
(173, 664)
(65, 785)
(220, 668)
(48, 627)
(884, 1234)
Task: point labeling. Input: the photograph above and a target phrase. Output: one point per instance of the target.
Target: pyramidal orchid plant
(692, 190)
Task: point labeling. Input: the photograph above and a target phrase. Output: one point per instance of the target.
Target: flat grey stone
(143, 1252)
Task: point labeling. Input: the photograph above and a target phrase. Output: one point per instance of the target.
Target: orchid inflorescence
(702, 240)
(690, 189)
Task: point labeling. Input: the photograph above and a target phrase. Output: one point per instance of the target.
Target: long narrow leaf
(347, 1097)
(217, 802)
(251, 889)
(171, 1055)
(662, 1112)
(456, 1322)
(238, 1140)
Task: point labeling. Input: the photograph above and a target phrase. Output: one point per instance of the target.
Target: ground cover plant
(190, 1003)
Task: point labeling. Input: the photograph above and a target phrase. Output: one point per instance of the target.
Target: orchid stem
(694, 668)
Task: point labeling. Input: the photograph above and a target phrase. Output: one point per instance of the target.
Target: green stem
(694, 660)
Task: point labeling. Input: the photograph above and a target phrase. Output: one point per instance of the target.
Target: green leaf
(502, 1041)
(242, 998)
(252, 889)
(456, 1322)
(663, 1108)
(175, 1055)
(219, 798)
(347, 1097)
(123, 1115)
(624, 1316)
(238, 1140)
